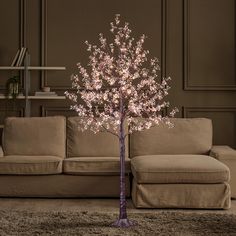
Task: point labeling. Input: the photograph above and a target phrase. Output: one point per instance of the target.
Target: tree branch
(109, 131)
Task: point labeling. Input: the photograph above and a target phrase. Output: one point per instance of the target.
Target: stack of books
(40, 93)
(19, 57)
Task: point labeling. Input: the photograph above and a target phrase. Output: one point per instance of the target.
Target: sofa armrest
(223, 153)
(227, 156)
(1, 152)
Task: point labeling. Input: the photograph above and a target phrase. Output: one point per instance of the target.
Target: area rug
(90, 223)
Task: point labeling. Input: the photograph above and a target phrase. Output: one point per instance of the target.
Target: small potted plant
(13, 87)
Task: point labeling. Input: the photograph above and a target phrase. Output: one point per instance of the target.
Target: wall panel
(10, 112)
(209, 45)
(67, 28)
(55, 111)
(223, 119)
(193, 39)
(12, 34)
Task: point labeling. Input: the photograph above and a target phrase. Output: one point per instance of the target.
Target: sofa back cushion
(35, 136)
(188, 136)
(88, 144)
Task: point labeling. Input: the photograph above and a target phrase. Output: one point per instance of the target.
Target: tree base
(124, 223)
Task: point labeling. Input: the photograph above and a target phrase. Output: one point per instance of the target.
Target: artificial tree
(120, 85)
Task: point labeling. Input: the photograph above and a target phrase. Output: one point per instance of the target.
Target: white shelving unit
(27, 68)
(36, 97)
(32, 68)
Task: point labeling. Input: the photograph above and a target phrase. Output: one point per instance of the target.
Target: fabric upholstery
(1, 152)
(223, 152)
(94, 166)
(34, 136)
(227, 156)
(58, 186)
(30, 165)
(212, 196)
(88, 144)
(189, 136)
(178, 169)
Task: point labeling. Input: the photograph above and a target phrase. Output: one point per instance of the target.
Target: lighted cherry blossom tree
(120, 85)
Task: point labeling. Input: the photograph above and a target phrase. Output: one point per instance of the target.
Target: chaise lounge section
(172, 167)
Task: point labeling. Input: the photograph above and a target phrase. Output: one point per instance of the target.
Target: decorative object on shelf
(46, 89)
(121, 85)
(13, 87)
(45, 93)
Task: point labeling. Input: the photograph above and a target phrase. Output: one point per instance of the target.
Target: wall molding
(44, 46)
(186, 49)
(221, 135)
(186, 110)
(23, 20)
(164, 12)
(22, 23)
(46, 109)
(43, 75)
(20, 111)
(22, 34)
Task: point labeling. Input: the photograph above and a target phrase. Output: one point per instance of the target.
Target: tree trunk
(123, 221)
(123, 213)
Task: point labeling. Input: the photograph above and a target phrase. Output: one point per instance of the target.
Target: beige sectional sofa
(171, 168)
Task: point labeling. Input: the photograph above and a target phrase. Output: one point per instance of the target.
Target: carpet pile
(90, 223)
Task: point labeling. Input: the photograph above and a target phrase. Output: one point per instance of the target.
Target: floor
(101, 205)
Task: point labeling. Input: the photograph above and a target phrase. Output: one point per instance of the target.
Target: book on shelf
(15, 58)
(40, 93)
(19, 57)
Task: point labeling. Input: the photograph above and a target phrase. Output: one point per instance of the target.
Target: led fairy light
(121, 85)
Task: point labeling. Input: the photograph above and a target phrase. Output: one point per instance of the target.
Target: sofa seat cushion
(178, 169)
(94, 166)
(30, 165)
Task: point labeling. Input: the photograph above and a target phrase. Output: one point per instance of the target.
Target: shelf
(47, 68)
(33, 68)
(12, 68)
(45, 97)
(36, 97)
(27, 69)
